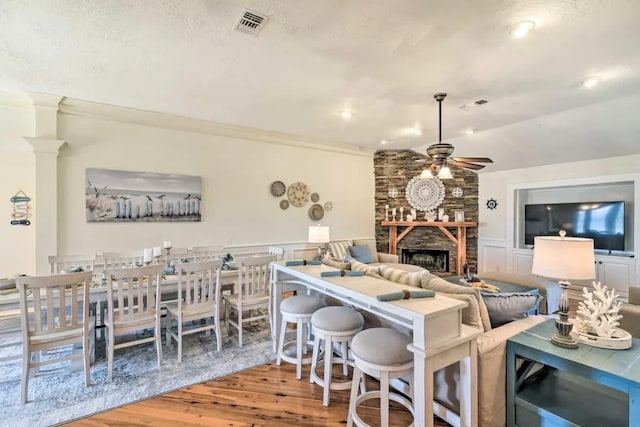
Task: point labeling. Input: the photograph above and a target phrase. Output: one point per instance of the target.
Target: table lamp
(319, 234)
(564, 258)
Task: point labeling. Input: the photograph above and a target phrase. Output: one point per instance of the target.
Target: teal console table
(589, 386)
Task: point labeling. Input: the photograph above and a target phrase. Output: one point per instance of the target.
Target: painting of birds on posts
(125, 196)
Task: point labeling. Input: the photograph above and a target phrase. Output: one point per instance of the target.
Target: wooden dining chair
(54, 313)
(277, 251)
(123, 259)
(133, 304)
(252, 293)
(177, 255)
(60, 264)
(199, 298)
(207, 253)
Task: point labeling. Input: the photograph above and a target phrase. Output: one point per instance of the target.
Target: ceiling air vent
(251, 22)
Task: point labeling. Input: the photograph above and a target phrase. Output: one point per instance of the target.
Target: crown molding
(78, 107)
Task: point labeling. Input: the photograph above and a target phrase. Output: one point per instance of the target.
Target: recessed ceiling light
(591, 82)
(346, 114)
(383, 142)
(469, 131)
(416, 131)
(521, 29)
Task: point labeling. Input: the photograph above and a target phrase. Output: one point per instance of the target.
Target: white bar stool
(296, 309)
(335, 324)
(381, 353)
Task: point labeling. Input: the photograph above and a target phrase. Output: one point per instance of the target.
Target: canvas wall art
(124, 196)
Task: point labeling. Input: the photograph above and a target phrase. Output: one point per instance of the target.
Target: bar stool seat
(296, 309)
(335, 324)
(381, 353)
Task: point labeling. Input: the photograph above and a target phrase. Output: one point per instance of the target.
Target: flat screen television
(601, 221)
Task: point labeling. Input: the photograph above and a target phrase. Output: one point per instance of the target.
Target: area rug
(58, 395)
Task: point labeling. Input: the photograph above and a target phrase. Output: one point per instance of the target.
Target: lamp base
(564, 341)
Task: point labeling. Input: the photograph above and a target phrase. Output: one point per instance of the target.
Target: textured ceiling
(383, 59)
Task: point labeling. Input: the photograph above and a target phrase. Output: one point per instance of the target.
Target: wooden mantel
(460, 239)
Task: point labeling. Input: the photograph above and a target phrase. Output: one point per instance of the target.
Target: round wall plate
(315, 197)
(328, 206)
(298, 194)
(284, 204)
(278, 188)
(316, 212)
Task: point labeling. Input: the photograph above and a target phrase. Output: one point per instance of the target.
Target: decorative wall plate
(328, 206)
(298, 194)
(425, 194)
(315, 197)
(492, 203)
(316, 212)
(393, 193)
(284, 204)
(457, 192)
(278, 188)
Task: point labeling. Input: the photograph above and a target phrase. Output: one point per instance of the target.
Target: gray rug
(57, 394)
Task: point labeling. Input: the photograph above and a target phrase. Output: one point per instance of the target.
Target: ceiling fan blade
(473, 159)
(464, 164)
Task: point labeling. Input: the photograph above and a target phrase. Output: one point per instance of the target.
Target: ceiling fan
(440, 152)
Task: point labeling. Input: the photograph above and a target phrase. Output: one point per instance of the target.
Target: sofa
(630, 312)
(491, 343)
(339, 248)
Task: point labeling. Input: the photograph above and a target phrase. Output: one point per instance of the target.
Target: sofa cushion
(470, 314)
(371, 243)
(507, 307)
(438, 284)
(402, 276)
(340, 249)
(361, 253)
(369, 270)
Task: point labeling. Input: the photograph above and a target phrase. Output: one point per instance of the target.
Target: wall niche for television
(590, 193)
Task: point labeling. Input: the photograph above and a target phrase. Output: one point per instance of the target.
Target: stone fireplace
(434, 260)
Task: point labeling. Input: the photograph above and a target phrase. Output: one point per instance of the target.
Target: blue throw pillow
(506, 307)
(361, 253)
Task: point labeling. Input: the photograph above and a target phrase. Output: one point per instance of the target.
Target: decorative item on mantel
(386, 212)
(430, 216)
(597, 320)
(564, 258)
(20, 209)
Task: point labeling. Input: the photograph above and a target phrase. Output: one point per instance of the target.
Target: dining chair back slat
(207, 253)
(114, 260)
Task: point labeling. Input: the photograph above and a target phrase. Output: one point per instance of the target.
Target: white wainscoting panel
(492, 255)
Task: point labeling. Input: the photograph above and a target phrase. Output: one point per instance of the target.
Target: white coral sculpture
(598, 313)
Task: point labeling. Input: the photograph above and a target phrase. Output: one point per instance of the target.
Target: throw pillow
(438, 284)
(403, 277)
(506, 307)
(340, 249)
(331, 262)
(369, 270)
(361, 254)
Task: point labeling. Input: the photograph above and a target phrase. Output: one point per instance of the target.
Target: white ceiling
(384, 59)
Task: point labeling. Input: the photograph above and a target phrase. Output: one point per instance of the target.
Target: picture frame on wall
(458, 216)
(126, 196)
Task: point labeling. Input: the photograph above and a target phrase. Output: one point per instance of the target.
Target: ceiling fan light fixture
(445, 173)
(521, 29)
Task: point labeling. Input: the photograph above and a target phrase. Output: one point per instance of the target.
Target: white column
(45, 200)
(45, 145)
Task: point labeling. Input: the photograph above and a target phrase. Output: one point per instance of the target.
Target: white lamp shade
(319, 234)
(563, 258)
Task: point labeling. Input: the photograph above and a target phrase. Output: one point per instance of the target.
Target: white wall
(237, 206)
(17, 172)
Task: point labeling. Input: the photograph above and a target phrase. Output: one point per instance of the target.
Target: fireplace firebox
(434, 260)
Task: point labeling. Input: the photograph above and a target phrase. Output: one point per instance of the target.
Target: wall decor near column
(20, 209)
(125, 196)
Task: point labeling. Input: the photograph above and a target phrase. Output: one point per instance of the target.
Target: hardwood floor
(267, 395)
